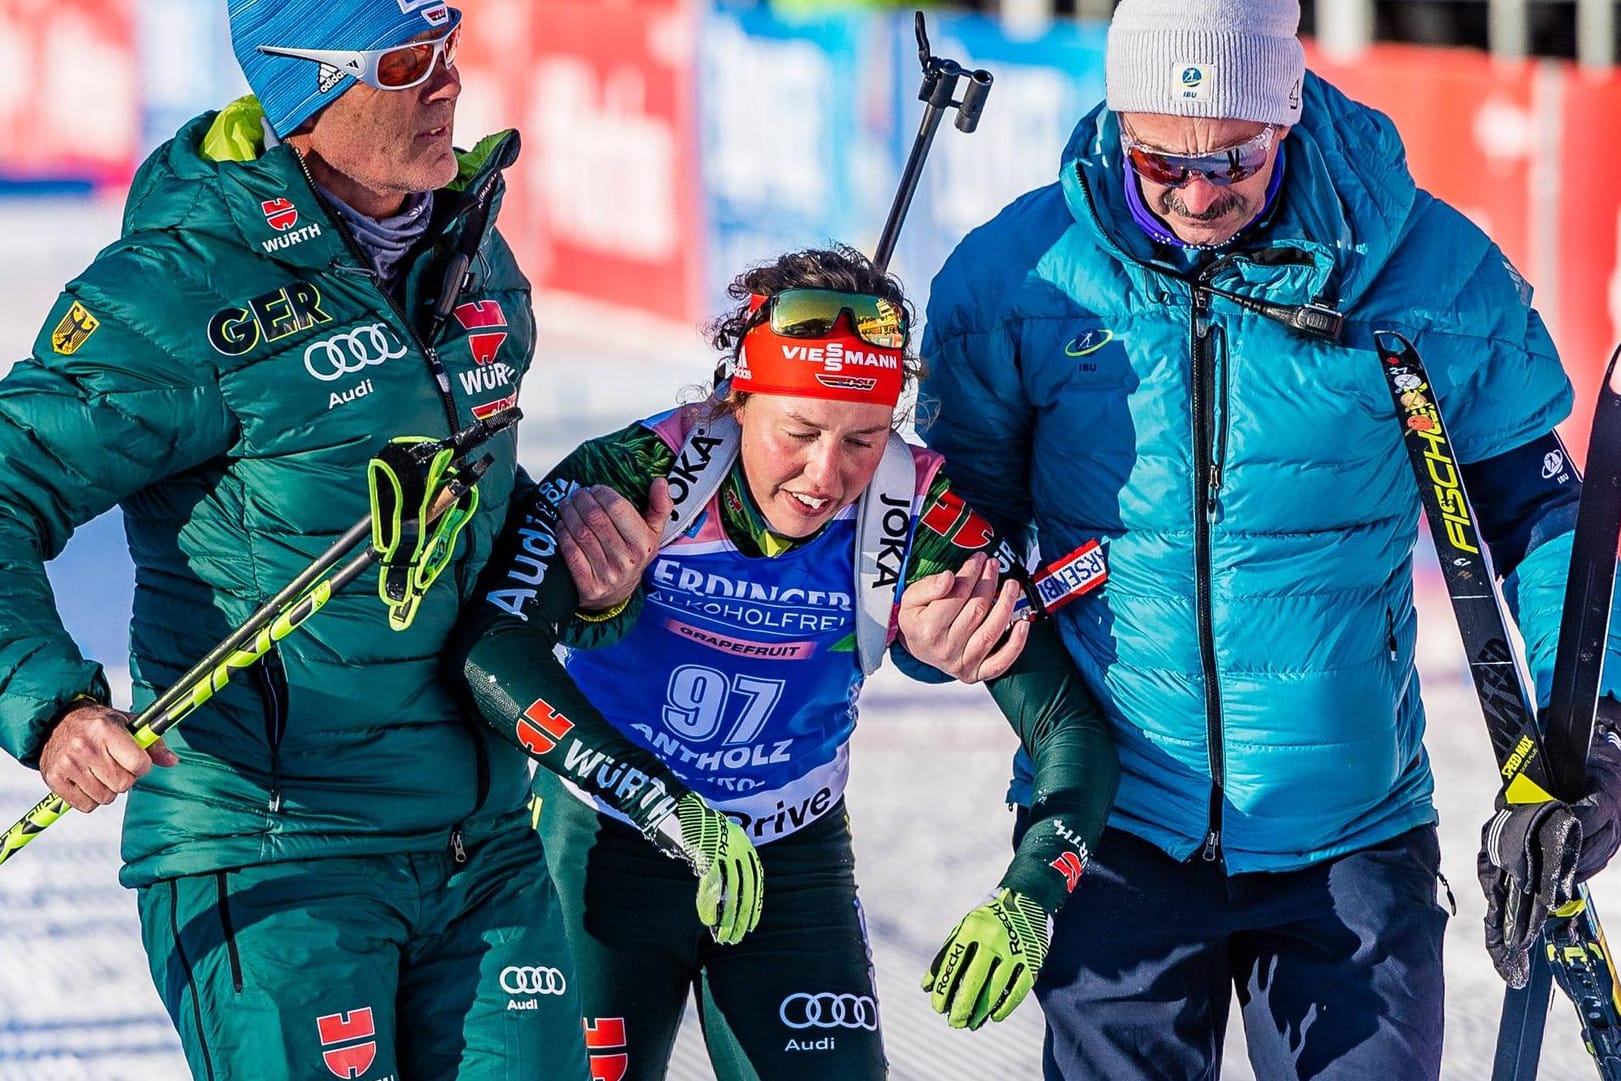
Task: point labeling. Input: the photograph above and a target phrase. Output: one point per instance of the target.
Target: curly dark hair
(837, 267)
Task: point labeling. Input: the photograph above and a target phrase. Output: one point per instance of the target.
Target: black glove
(1532, 855)
(1600, 810)
(1527, 867)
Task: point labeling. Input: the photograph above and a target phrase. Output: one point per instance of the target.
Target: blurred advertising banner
(795, 126)
(669, 144)
(1470, 127)
(1044, 85)
(603, 202)
(1588, 172)
(69, 107)
(172, 93)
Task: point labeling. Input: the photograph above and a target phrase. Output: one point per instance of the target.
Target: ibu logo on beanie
(292, 89)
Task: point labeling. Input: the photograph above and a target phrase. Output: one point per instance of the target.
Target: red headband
(839, 367)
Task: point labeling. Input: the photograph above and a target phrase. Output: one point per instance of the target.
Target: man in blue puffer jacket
(1133, 355)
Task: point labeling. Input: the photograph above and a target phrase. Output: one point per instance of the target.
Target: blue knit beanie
(293, 90)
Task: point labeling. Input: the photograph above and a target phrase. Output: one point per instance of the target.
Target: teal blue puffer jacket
(1254, 644)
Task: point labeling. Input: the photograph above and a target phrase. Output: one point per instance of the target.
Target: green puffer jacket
(223, 372)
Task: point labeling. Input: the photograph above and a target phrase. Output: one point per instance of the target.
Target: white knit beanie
(1228, 59)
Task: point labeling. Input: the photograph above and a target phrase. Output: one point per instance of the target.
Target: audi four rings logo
(349, 352)
(532, 980)
(827, 1010)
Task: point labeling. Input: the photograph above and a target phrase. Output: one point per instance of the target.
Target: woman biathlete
(731, 672)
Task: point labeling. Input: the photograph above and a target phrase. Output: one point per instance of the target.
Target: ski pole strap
(414, 527)
(450, 514)
(402, 487)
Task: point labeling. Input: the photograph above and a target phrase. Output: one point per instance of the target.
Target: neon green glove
(989, 961)
(731, 884)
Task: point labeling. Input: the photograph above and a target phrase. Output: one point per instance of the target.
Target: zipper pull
(456, 845)
(275, 801)
(1214, 489)
(1201, 313)
(1212, 847)
(440, 375)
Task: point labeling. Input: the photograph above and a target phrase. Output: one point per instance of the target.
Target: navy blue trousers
(1337, 967)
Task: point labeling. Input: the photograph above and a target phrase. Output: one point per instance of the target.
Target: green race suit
(527, 600)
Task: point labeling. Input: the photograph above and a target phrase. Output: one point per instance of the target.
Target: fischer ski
(1573, 944)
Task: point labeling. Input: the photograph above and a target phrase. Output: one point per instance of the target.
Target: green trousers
(382, 968)
(794, 1001)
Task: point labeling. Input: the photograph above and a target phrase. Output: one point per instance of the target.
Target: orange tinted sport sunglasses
(1221, 167)
(399, 67)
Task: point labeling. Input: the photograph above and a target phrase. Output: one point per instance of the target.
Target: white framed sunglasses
(398, 67)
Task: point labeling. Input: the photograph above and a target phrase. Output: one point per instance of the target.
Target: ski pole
(274, 620)
(243, 649)
(938, 92)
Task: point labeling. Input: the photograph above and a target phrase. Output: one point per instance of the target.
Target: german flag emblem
(74, 330)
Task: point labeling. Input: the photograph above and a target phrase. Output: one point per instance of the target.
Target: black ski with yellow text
(1573, 942)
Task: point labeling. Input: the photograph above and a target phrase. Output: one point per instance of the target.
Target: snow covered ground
(928, 774)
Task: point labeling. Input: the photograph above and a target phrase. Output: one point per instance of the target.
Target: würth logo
(605, 1042)
(541, 727)
(281, 214)
(1070, 866)
(353, 1059)
(478, 315)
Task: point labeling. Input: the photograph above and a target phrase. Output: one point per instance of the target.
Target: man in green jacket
(335, 875)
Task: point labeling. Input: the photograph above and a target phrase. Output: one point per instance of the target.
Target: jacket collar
(265, 198)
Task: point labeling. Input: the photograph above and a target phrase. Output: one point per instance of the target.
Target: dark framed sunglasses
(813, 313)
(1221, 167)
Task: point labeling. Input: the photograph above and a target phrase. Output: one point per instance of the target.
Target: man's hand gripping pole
(441, 519)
